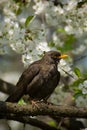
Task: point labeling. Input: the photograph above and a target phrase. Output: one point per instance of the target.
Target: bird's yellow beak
(63, 56)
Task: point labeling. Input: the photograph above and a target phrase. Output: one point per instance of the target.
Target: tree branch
(28, 120)
(6, 87)
(7, 111)
(44, 109)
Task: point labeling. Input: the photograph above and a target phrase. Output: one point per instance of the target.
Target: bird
(40, 79)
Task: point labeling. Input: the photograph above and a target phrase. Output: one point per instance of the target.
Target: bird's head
(54, 56)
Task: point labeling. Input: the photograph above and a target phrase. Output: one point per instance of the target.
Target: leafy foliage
(68, 43)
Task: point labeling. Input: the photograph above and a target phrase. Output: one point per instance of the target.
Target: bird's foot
(34, 103)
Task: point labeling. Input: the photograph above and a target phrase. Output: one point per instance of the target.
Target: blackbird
(40, 79)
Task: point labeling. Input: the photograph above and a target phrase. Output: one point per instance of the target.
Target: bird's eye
(55, 57)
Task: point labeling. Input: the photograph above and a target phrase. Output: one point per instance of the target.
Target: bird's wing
(28, 75)
(23, 82)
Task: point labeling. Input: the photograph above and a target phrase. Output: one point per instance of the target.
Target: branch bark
(44, 109)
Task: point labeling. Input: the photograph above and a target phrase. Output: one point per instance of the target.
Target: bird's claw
(34, 104)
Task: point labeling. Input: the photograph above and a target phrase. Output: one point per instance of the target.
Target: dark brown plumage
(40, 79)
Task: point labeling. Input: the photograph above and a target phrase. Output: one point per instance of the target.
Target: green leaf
(21, 101)
(29, 18)
(77, 94)
(77, 82)
(61, 30)
(18, 12)
(77, 72)
(52, 123)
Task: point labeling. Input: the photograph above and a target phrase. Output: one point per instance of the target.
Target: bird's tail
(16, 95)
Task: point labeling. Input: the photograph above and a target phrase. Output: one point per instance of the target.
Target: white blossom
(73, 20)
(85, 84)
(83, 87)
(40, 7)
